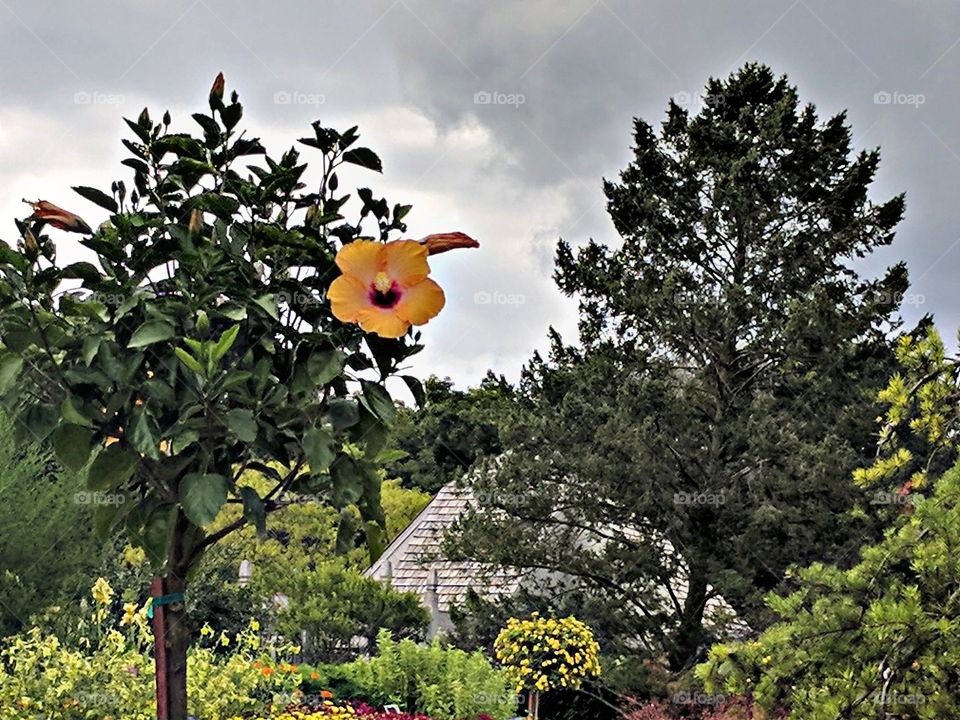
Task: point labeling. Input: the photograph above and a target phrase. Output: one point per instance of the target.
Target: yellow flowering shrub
(545, 653)
(111, 676)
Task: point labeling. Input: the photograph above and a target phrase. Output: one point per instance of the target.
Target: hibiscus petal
(382, 322)
(405, 261)
(421, 302)
(348, 297)
(361, 259)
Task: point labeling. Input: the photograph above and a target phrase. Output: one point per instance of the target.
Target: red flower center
(384, 292)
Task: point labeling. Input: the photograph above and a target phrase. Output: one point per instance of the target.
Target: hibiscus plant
(197, 343)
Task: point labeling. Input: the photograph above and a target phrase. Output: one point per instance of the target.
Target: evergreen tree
(700, 437)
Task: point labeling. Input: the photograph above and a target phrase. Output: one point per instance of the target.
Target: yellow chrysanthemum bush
(109, 676)
(542, 654)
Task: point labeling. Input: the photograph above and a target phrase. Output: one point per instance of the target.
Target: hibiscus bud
(196, 221)
(57, 216)
(30, 243)
(216, 92)
(441, 242)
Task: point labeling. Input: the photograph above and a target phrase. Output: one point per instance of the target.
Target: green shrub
(442, 682)
(41, 501)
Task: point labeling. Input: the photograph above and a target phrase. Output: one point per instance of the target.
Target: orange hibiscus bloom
(384, 287)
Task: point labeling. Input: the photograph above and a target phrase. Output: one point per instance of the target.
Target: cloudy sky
(496, 117)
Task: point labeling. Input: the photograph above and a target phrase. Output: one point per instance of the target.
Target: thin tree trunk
(177, 635)
(177, 640)
(690, 633)
(533, 705)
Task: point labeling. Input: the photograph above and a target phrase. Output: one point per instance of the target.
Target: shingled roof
(413, 561)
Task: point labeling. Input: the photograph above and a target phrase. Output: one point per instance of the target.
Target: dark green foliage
(451, 430)
(41, 501)
(722, 390)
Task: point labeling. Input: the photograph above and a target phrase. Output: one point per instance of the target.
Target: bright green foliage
(326, 594)
(444, 683)
(921, 425)
(707, 422)
(337, 605)
(877, 640)
(298, 559)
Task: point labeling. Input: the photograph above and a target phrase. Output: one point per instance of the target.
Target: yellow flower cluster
(102, 592)
(546, 653)
(106, 677)
(329, 711)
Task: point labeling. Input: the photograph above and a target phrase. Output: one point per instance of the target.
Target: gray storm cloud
(497, 118)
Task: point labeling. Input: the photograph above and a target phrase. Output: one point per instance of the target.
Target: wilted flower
(57, 216)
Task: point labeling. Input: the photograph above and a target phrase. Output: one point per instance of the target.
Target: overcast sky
(495, 117)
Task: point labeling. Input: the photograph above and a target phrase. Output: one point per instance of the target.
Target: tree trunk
(690, 633)
(533, 705)
(176, 636)
(177, 640)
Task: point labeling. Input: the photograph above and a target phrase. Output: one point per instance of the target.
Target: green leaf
(391, 455)
(189, 360)
(325, 365)
(152, 331)
(157, 532)
(233, 311)
(106, 515)
(365, 157)
(416, 389)
(10, 367)
(82, 271)
(225, 342)
(144, 433)
(346, 530)
(97, 197)
(378, 401)
(348, 481)
(376, 540)
(269, 303)
(73, 414)
(91, 343)
(208, 124)
(343, 413)
(112, 467)
(71, 443)
(183, 440)
(242, 424)
(139, 131)
(253, 509)
(202, 496)
(319, 448)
